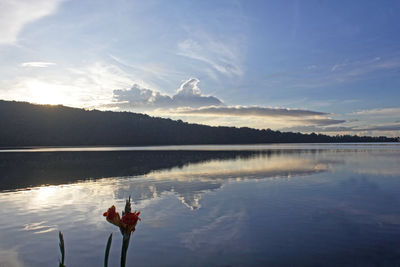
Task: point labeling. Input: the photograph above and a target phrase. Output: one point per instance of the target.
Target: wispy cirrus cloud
(222, 56)
(360, 68)
(37, 64)
(381, 127)
(15, 14)
(395, 111)
(149, 71)
(334, 73)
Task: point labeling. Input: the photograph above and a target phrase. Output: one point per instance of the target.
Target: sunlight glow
(45, 93)
(46, 192)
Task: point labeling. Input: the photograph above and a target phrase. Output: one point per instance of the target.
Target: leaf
(62, 249)
(107, 253)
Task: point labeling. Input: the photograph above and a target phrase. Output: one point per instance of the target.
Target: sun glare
(45, 93)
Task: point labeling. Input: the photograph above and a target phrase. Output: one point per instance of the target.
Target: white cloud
(15, 14)
(189, 88)
(189, 104)
(87, 86)
(37, 64)
(139, 97)
(188, 95)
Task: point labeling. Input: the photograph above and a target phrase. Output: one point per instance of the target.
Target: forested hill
(25, 124)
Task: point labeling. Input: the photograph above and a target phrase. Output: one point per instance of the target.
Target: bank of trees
(25, 124)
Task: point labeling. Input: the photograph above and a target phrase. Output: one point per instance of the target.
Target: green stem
(62, 249)
(107, 253)
(124, 250)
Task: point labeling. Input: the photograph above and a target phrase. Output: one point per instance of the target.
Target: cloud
(140, 97)
(313, 128)
(149, 71)
(321, 122)
(379, 112)
(332, 74)
(37, 64)
(359, 69)
(250, 116)
(188, 95)
(15, 14)
(189, 104)
(85, 86)
(223, 56)
(252, 111)
(317, 129)
(338, 67)
(384, 127)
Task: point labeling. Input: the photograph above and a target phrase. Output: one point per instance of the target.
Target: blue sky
(323, 66)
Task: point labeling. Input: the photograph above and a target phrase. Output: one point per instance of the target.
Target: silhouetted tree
(25, 124)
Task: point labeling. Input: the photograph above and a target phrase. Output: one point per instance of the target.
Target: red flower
(130, 220)
(111, 213)
(112, 216)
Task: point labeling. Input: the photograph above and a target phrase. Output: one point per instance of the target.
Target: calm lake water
(275, 205)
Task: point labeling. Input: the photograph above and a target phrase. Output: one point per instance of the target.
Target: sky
(330, 67)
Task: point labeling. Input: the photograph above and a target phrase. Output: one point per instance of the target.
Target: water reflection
(21, 170)
(190, 176)
(273, 207)
(10, 258)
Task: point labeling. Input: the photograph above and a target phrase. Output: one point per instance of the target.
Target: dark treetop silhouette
(25, 124)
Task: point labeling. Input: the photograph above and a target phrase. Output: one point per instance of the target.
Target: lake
(251, 205)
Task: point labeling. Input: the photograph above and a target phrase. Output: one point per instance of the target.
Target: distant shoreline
(31, 125)
(209, 147)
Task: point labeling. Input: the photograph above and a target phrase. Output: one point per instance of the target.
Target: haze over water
(298, 205)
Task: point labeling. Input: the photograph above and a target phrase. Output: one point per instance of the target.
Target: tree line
(26, 124)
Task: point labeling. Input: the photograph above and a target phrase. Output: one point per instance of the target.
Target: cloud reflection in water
(209, 203)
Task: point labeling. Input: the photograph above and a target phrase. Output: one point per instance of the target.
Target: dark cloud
(255, 111)
(322, 122)
(188, 95)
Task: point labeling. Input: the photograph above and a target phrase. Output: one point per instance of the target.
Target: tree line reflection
(23, 170)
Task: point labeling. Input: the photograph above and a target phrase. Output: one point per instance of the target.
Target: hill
(25, 124)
